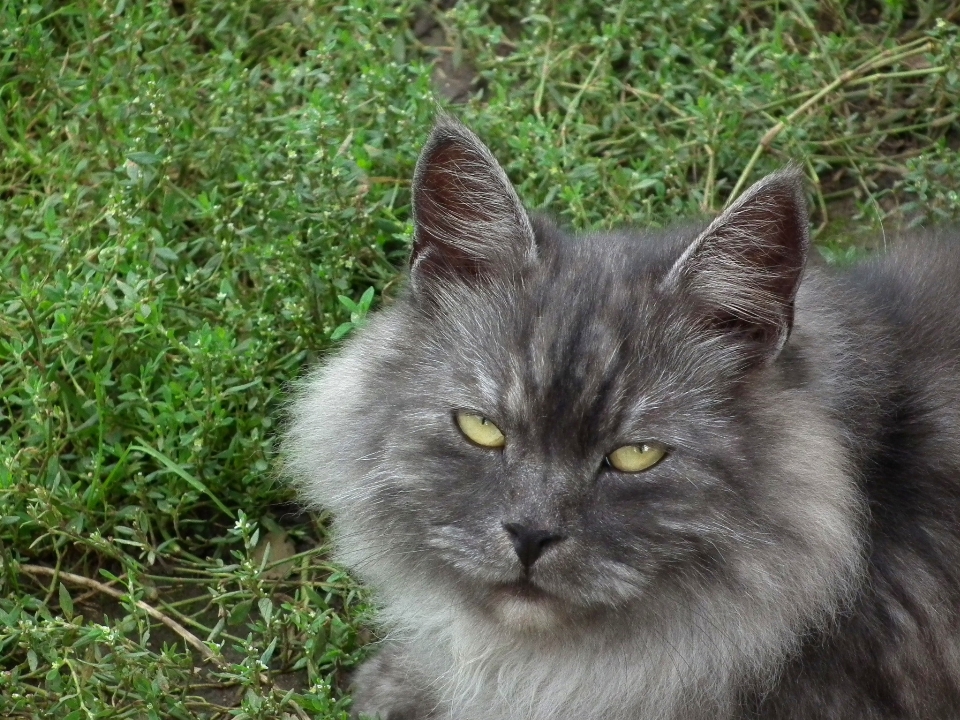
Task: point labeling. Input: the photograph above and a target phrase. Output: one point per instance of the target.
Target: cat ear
(746, 266)
(468, 221)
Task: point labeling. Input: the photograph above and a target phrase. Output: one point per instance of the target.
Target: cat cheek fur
(697, 590)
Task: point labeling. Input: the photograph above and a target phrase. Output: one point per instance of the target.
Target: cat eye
(479, 430)
(635, 458)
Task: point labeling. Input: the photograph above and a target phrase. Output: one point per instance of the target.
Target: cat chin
(526, 614)
(528, 609)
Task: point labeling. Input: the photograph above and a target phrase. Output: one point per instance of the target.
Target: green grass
(187, 189)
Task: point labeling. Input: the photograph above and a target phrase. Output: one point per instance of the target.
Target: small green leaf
(240, 612)
(266, 609)
(268, 653)
(143, 158)
(52, 680)
(341, 330)
(66, 602)
(165, 253)
(367, 298)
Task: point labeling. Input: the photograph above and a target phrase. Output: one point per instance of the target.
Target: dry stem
(188, 637)
(886, 57)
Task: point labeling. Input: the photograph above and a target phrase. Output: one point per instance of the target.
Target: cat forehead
(583, 331)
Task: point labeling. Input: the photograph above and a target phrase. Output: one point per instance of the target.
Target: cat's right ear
(469, 223)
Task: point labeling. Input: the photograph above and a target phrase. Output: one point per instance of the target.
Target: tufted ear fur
(468, 221)
(745, 268)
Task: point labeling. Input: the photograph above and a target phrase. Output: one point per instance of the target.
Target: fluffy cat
(659, 475)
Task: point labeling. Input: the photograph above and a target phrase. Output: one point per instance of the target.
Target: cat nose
(529, 543)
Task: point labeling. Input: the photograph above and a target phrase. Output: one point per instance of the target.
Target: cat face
(565, 377)
(548, 429)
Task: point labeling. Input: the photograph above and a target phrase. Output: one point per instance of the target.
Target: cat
(672, 474)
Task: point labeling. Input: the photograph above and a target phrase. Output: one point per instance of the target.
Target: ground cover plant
(197, 198)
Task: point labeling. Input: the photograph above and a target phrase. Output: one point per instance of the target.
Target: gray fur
(796, 555)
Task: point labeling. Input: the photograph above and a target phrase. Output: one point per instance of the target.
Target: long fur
(796, 555)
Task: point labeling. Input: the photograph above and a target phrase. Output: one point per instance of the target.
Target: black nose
(530, 543)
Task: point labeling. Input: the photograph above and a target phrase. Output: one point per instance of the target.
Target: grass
(197, 197)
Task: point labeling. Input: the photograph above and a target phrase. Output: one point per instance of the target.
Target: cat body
(790, 547)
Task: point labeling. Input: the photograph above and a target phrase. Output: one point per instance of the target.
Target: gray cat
(664, 475)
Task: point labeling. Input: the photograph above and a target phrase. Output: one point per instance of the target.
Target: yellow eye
(635, 458)
(480, 430)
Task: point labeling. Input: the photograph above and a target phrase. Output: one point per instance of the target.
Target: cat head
(547, 428)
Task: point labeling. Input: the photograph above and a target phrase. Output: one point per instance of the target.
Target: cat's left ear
(745, 268)
(468, 221)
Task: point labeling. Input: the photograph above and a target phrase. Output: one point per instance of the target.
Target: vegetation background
(196, 198)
